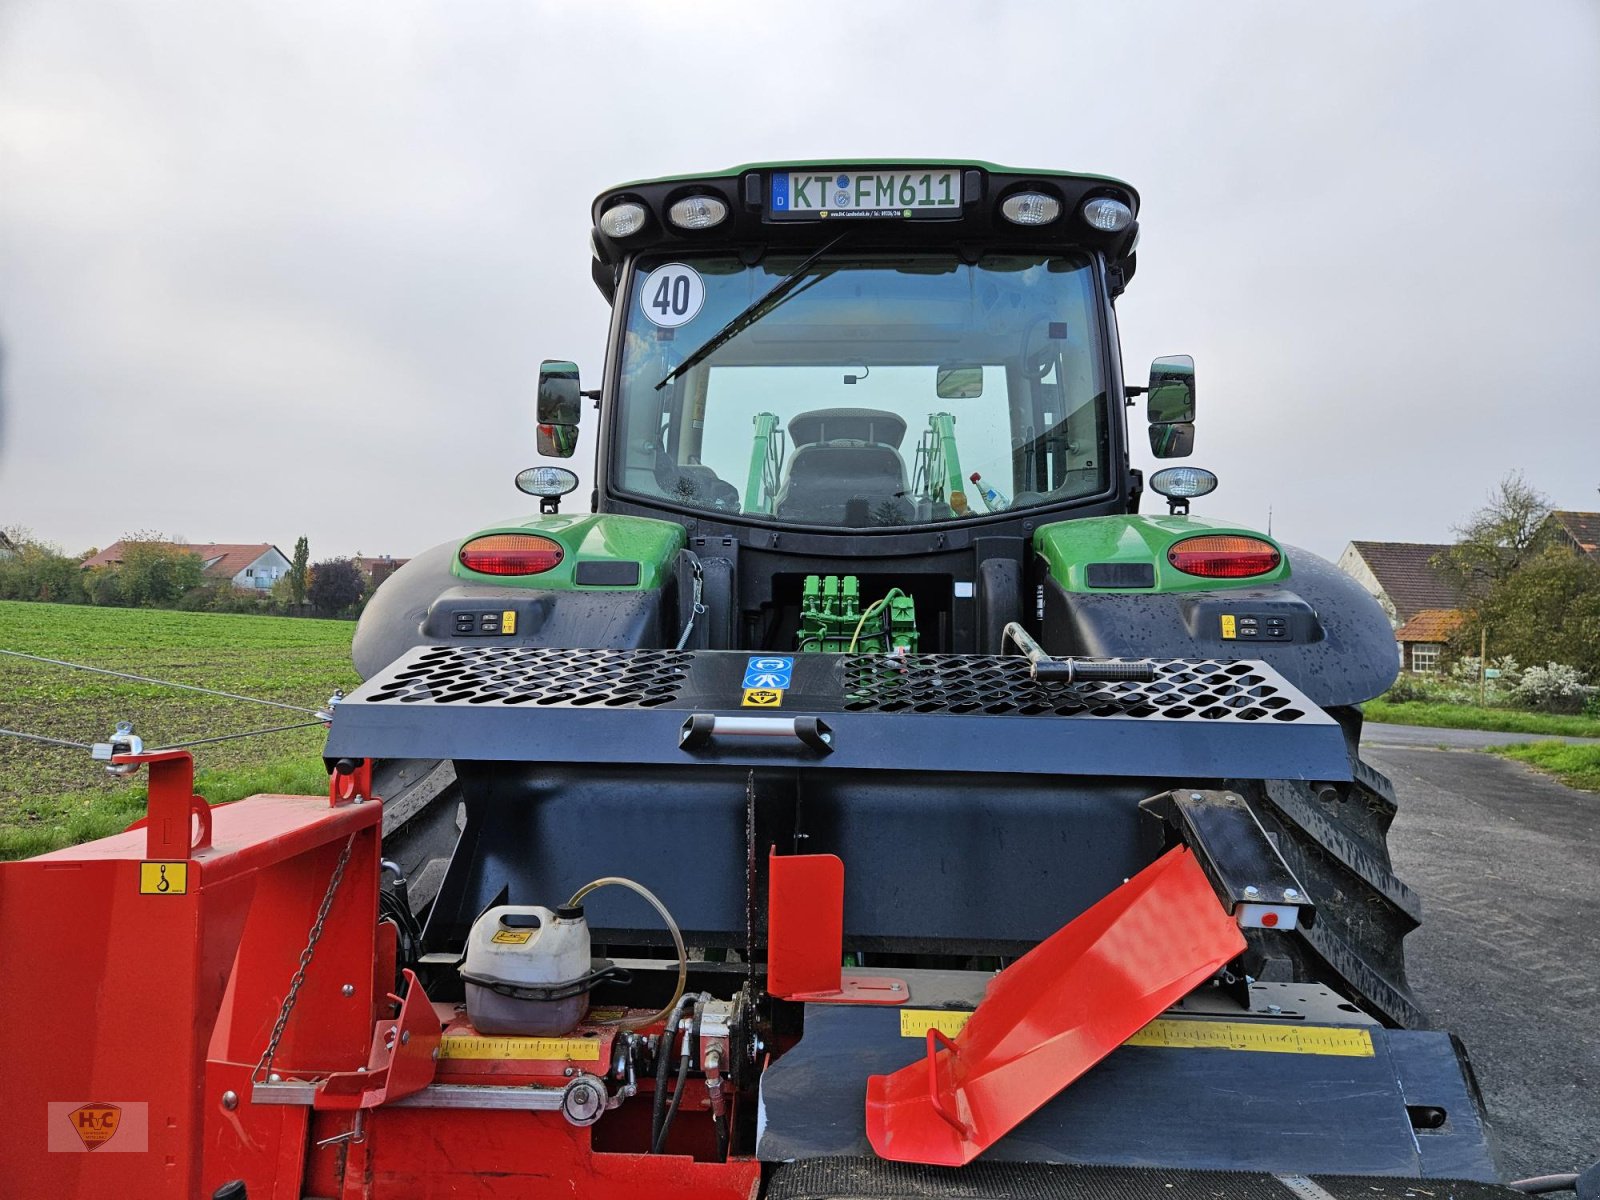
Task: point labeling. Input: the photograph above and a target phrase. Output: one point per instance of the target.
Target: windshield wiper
(781, 291)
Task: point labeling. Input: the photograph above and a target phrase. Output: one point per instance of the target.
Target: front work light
(697, 212)
(1107, 215)
(510, 554)
(1224, 556)
(1030, 208)
(623, 219)
(1183, 483)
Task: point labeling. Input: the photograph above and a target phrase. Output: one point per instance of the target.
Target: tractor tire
(1334, 837)
(421, 822)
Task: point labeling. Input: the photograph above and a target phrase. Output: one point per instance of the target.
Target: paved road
(1462, 739)
(1507, 862)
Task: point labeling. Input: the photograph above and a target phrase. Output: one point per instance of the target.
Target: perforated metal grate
(537, 675)
(951, 683)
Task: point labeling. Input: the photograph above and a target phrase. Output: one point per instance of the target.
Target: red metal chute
(1053, 1014)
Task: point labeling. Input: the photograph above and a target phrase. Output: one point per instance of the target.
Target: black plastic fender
(1343, 651)
(416, 606)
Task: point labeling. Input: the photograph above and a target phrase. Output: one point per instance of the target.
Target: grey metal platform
(1196, 719)
(1409, 1109)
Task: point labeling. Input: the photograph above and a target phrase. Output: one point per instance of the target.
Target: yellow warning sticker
(508, 621)
(1179, 1034)
(1230, 626)
(512, 937)
(544, 1049)
(163, 878)
(915, 1022)
(763, 697)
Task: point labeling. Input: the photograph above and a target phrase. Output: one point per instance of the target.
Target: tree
(299, 575)
(35, 570)
(1498, 538)
(336, 585)
(1547, 610)
(155, 573)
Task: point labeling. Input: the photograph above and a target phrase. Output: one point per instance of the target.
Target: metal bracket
(1249, 875)
(176, 821)
(402, 1062)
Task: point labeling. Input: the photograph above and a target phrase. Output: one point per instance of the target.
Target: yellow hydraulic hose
(677, 940)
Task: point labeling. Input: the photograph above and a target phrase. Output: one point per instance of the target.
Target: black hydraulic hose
(1540, 1184)
(669, 1035)
(720, 1120)
(691, 1043)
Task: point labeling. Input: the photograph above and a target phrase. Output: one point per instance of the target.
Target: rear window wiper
(780, 291)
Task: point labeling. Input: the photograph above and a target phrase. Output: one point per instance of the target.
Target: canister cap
(569, 912)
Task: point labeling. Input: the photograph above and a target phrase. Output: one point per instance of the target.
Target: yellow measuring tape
(1182, 1034)
(546, 1049)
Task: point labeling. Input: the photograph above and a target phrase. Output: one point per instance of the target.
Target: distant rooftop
(1408, 577)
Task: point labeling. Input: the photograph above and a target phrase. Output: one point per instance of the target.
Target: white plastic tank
(522, 962)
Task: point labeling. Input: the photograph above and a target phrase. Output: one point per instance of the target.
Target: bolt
(1290, 893)
(1194, 795)
(348, 989)
(568, 1071)
(230, 1100)
(1275, 1009)
(436, 1054)
(405, 1037)
(274, 1078)
(1252, 890)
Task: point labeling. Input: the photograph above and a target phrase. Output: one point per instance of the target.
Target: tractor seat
(845, 469)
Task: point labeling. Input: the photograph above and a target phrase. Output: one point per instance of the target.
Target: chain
(263, 1069)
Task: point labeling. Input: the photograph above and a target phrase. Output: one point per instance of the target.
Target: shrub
(1555, 687)
(38, 571)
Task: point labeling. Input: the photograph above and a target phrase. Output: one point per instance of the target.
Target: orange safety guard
(1053, 1014)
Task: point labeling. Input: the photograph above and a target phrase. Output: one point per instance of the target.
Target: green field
(1575, 766)
(1470, 716)
(53, 796)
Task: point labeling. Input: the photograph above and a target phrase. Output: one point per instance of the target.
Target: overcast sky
(279, 268)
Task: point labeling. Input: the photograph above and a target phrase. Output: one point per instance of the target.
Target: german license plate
(906, 192)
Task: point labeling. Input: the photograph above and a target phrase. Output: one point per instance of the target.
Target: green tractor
(864, 580)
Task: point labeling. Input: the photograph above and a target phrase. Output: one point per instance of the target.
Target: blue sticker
(780, 189)
(768, 672)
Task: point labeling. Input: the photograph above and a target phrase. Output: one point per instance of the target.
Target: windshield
(877, 390)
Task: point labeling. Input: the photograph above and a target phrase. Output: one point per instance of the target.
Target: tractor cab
(906, 362)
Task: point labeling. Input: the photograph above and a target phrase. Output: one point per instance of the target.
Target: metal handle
(811, 732)
(1074, 670)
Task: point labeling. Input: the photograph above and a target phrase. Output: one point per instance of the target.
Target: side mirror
(558, 441)
(959, 381)
(1175, 440)
(1171, 395)
(560, 408)
(1170, 406)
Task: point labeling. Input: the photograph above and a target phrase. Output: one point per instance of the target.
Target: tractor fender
(1342, 651)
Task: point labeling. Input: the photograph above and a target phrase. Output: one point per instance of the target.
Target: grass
(53, 796)
(1575, 766)
(1468, 716)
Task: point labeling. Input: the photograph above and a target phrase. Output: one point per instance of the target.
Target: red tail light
(1224, 556)
(510, 554)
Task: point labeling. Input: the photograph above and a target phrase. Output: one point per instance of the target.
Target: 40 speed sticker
(671, 295)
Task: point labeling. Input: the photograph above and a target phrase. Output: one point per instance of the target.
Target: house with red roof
(252, 566)
(1423, 602)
